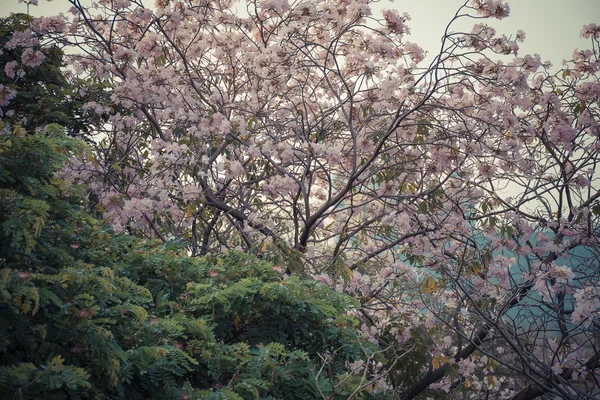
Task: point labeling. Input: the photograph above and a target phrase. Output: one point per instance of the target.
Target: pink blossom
(236, 169)
(76, 349)
(117, 4)
(9, 69)
(22, 39)
(212, 274)
(416, 53)
(280, 185)
(275, 5)
(562, 274)
(287, 155)
(582, 181)
(394, 21)
(444, 384)
(32, 58)
(333, 155)
(324, 279)
(149, 43)
(125, 54)
(447, 342)
(587, 304)
(557, 369)
(84, 313)
(588, 91)
(466, 367)
(23, 274)
(491, 8)
(590, 31)
(359, 9)
(486, 170)
(55, 24)
(6, 95)
(253, 151)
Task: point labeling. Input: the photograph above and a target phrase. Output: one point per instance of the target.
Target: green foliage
(89, 314)
(40, 99)
(44, 95)
(30, 194)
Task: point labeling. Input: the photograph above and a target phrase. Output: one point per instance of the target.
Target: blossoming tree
(458, 201)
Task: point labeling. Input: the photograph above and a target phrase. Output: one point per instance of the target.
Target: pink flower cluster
(395, 22)
(492, 8)
(6, 95)
(54, 24)
(591, 31)
(22, 39)
(32, 58)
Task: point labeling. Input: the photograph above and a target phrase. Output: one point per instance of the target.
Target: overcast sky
(552, 26)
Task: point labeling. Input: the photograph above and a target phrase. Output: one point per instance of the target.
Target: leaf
(48, 295)
(90, 157)
(476, 268)
(510, 232)
(188, 212)
(55, 364)
(451, 371)
(347, 271)
(251, 122)
(429, 285)
(486, 257)
(412, 187)
(109, 321)
(160, 60)
(579, 108)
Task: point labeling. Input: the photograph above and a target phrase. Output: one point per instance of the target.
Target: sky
(552, 27)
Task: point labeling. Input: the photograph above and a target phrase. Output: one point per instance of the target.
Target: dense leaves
(89, 314)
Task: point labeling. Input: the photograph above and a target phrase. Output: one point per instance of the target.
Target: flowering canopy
(458, 201)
